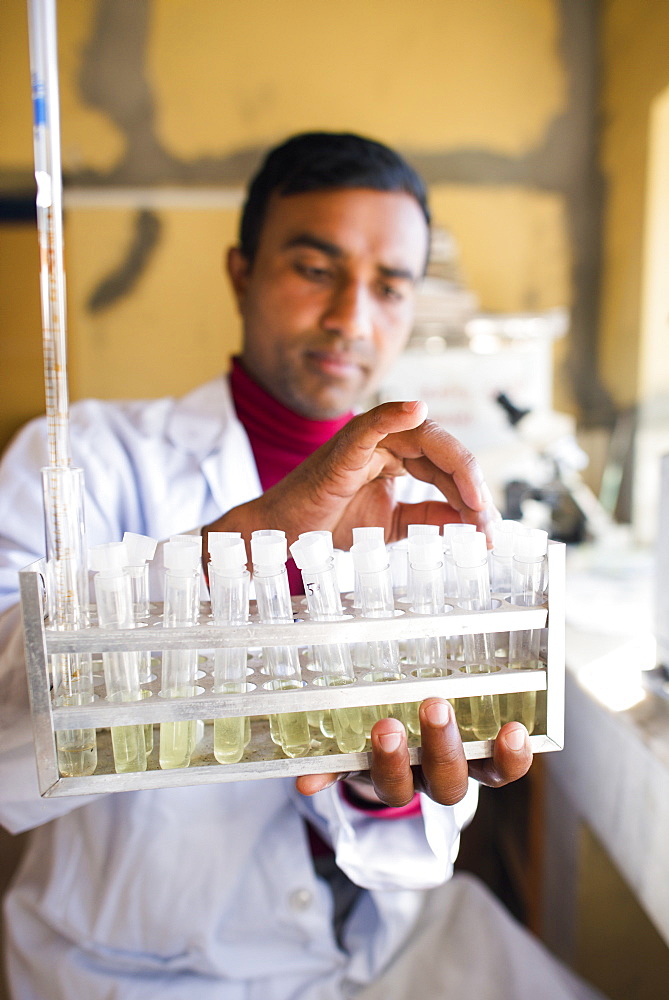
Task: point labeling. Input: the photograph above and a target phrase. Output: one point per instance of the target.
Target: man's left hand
(444, 769)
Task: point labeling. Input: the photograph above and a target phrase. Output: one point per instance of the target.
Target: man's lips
(335, 364)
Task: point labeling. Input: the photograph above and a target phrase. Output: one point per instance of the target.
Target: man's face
(327, 303)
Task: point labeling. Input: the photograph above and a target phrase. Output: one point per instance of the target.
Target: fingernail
(515, 740)
(486, 495)
(390, 742)
(438, 713)
(414, 405)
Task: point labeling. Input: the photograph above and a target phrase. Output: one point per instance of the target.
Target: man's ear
(238, 267)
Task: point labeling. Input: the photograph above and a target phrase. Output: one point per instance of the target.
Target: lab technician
(269, 890)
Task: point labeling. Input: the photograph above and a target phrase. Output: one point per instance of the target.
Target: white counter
(614, 771)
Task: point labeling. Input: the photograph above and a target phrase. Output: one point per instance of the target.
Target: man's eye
(311, 273)
(391, 293)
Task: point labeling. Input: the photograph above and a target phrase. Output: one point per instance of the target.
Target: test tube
(500, 563)
(372, 565)
(113, 595)
(426, 584)
(454, 644)
(360, 650)
(470, 555)
(179, 666)
(314, 557)
(529, 563)
(319, 719)
(501, 556)
(449, 532)
(413, 531)
(399, 569)
(140, 549)
(230, 603)
(67, 605)
(269, 553)
(229, 585)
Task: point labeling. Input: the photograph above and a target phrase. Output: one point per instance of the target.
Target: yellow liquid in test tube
(176, 743)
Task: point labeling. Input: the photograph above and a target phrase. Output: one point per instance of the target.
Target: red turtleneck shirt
(280, 439)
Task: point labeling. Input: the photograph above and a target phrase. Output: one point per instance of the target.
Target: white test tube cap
(326, 535)
(503, 534)
(111, 557)
(425, 551)
(369, 556)
(531, 545)
(452, 530)
(311, 552)
(367, 532)
(413, 530)
(269, 551)
(470, 549)
(140, 548)
(224, 534)
(190, 541)
(227, 552)
(181, 559)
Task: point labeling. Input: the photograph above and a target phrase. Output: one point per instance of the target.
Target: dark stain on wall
(565, 162)
(122, 280)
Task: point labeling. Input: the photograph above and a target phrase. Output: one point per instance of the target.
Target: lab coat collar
(198, 419)
(204, 424)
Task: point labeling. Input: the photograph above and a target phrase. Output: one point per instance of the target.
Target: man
(212, 891)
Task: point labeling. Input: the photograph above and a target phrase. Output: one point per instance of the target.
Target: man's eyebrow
(314, 243)
(332, 250)
(404, 273)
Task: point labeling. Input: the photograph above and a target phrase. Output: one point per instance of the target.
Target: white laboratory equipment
(140, 550)
(229, 587)
(292, 628)
(179, 666)
(313, 555)
(269, 551)
(372, 568)
(113, 595)
(470, 555)
(528, 583)
(428, 654)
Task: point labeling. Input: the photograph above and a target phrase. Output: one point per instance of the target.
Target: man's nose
(349, 311)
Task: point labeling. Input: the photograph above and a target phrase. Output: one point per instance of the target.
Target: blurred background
(542, 128)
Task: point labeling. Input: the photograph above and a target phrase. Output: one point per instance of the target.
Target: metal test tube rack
(262, 758)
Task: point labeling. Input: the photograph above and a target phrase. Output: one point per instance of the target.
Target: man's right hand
(349, 482)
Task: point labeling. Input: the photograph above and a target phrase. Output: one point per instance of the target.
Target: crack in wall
(126, 276)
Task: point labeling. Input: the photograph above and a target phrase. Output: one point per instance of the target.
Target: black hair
(322, 161)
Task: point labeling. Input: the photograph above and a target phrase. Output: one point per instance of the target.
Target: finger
(512, 757)
(309, 784)
(356, 447)
(322, 486)
(425, 470)
(445, 454)
(390, 770)
(443, 762)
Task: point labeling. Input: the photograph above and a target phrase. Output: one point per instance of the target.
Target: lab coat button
(301, 899)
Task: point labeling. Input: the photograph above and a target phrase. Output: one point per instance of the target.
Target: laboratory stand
(265, 698)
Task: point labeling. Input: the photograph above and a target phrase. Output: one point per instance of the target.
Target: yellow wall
(431, 77)
(428, 75)
(21, 331)
(635, 39)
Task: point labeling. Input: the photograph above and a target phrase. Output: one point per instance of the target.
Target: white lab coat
(207, 892)
(210, 885)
